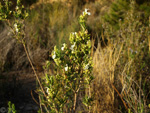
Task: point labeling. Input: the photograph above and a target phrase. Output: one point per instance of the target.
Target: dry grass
(105, 60)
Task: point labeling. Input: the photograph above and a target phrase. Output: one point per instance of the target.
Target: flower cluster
(16, 27)
(54, 55)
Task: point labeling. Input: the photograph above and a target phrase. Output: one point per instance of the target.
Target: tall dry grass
(105, 60)
(121, 68)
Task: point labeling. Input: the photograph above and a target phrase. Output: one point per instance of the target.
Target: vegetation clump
(73, 73)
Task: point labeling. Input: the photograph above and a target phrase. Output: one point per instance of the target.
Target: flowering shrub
(19, 15)
(73, 73)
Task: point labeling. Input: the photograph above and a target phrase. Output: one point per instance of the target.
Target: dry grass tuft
(105, 61)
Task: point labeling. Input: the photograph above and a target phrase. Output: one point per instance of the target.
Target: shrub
(119, 9)
(117, 12)
(73, 74)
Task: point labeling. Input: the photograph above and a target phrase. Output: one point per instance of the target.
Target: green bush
(119, 10)
(73, 74)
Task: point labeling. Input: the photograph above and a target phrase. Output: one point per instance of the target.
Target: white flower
(54, 55)
(66, 68)
(74, 33)
(15, 25)
(86, 67)
(64, 45)
(17, 29)
(89, 13)
(47, 90)
(86, 12)
(62, 48)
(72, 46)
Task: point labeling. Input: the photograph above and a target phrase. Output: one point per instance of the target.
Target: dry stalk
(29, 59)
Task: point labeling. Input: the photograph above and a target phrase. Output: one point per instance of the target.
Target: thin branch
(34, 69)
(34, 98)
(120, 96)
